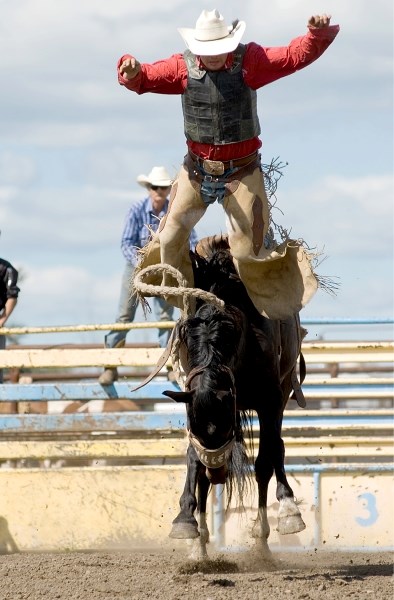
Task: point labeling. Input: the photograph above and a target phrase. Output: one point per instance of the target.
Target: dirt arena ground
(169, 575)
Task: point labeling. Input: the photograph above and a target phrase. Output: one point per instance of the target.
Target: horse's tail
(239, 469)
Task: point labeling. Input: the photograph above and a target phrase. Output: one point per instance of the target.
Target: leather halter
(213, 459)
(197, 370)
(192, 375)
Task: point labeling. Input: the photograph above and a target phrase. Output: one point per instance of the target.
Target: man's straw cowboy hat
(211, 35)
(157, 176)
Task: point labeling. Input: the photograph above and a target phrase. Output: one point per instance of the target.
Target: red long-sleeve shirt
(261, 66)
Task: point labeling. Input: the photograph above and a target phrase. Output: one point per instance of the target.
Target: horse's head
(211, 411)
(213, 341)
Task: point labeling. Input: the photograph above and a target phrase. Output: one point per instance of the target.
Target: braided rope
(181, 290)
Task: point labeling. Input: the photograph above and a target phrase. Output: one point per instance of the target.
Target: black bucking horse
(235, 361)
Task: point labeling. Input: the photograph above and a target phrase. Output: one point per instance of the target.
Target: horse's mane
(211, 335)
(212, 338)
(214, 271)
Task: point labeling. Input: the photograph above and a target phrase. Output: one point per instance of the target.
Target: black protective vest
(218, 108)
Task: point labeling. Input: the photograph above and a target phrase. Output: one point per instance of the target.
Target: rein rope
(179, 291)
(198, 370)
(187, 293)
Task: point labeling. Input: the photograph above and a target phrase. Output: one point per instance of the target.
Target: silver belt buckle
(213, 167)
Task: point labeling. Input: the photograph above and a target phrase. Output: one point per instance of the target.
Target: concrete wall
(87, 508)
(341, 510)
(121, 507)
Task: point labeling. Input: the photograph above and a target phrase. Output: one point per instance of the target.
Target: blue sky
(72, 143)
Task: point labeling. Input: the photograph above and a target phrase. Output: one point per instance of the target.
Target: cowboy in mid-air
(217, 77)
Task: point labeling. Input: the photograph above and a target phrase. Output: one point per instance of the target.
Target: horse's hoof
(204, 536)
(263, 550)
(184, 531)
(290, 524)
(198, 550)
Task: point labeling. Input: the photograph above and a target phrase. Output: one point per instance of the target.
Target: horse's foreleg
(261, 529)
(272, 452)
(289, 515)
(184, 526)
(199, 549)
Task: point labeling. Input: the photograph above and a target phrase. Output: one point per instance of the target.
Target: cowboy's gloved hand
(129, 68)
(319, 21)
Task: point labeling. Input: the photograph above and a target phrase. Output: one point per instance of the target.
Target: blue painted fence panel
(152, 390)
(116, 421)
(84, 391)
(152, 420)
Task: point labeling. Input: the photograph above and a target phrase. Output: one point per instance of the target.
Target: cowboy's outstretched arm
(319, 21)
(165, 76)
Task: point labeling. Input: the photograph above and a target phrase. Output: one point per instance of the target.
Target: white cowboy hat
(212, 36)
(157, 176)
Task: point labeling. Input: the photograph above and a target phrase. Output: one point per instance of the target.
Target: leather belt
(217, 167)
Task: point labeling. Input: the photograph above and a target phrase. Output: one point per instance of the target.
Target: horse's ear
(185, 397)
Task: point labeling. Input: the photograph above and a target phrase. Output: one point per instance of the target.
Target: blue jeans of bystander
(128, 307)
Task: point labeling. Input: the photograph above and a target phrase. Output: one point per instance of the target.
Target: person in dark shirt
(9, 292)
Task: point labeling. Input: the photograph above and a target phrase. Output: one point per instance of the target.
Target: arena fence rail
(89, 479)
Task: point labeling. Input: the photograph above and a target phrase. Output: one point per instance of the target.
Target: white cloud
(66, 295)
(350, 217)
(372, 193)
(15, 169)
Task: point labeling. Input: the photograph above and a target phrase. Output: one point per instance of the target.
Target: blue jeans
(213, 188)
(127, 309)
